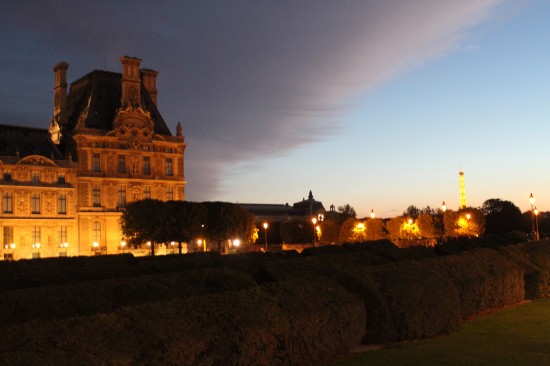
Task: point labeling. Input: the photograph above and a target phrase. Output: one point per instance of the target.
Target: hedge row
(534, 258)
(278, 324)
(415, 299)
(62, 301)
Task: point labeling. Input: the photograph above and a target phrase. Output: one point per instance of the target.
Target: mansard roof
(94, 100)
(18, 142)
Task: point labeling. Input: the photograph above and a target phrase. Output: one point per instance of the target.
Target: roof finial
(310, 195)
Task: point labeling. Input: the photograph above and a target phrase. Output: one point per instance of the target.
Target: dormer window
(35, 177)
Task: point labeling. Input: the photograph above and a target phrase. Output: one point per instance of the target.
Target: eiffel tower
(462, 201)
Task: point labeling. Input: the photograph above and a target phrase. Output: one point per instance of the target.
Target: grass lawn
(519, 335)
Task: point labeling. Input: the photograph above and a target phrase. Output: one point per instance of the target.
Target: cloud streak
(247, 79)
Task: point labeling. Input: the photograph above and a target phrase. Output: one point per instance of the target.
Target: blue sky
(373, 103)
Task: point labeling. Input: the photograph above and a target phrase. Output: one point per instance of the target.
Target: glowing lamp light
(372, 214)
(265, 225)
(443, 207)
(95, 244)
(199, 242)
(468, 216)
(149, 243)
(236, 242)
(12, 245)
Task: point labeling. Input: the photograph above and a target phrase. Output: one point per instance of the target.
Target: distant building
(64, 188)
(275, 214)
(279, 212)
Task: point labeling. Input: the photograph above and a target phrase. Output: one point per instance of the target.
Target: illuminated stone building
(63, 189)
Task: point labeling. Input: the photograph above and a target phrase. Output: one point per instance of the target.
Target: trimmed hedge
(484, 279)
(58, 302)
(279, 326)
(326, 321)
(534, 258)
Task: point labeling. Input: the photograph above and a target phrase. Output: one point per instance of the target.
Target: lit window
(35, 203)
(36, 234)
(62, 233)
(96, 196)
(146, 165)
(96, 232)
(61, 203)
(96, 167)
(169, 193)
(122, 197)
(169, 169)
(7, 202)
(8, 235)
(122, 164)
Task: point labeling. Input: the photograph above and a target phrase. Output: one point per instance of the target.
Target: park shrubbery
(278, 325)
(91, 297)
(534, 258)
(256, 309)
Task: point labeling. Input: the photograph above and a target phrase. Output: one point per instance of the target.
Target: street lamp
(532, 201)
(265, 235)
(201, 242)
(314, 221)
(410, 228)
(443, 207)
(96, 246)
(123, 244)
(468, 217)
(536, 212)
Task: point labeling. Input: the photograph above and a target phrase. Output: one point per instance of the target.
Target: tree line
(155, 222)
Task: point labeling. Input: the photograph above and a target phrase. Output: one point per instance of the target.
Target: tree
(470, 222)
(450, 219)
(297, 231)
(184, 221)
(426, 226)
(347, 211)
(393, 226)
(144, 221)
(330, 228)
(376, 229)
(501, 216)
(346, 231)
(411, 211)
(228, 221)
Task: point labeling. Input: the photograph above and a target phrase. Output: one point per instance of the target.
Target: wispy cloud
(247, 79)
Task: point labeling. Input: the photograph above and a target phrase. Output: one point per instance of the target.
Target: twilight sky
(373, 103)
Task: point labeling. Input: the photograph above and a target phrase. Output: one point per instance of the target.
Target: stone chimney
(149, 78)
(130, 82)
(60, 93)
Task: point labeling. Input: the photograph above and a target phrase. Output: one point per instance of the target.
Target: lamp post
(532, 201)
(468, 217)
(443, 207)
(536, 212)
(372, 216)
(96, 246)
(265, 225)
(123, 244)
(202, 242)
(314, 221)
